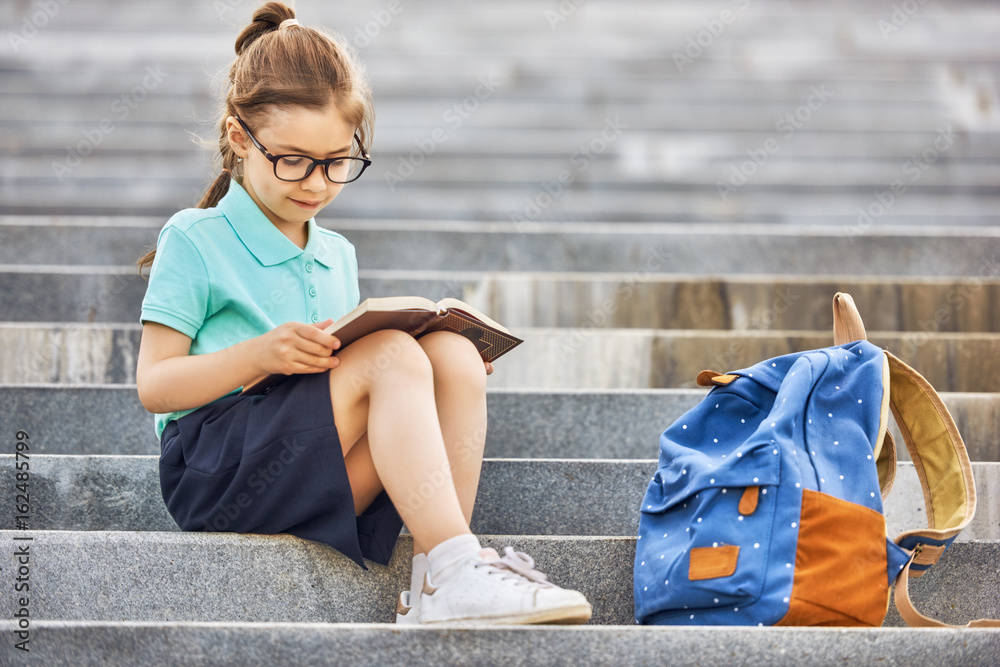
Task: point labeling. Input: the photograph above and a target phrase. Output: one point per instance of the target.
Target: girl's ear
(238, 139)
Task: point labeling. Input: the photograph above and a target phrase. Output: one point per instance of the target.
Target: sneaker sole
(561, 616)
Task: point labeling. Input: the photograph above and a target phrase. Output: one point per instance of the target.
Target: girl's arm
(170, 379)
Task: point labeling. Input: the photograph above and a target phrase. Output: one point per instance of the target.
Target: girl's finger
(316, 349)
(313, 364)
(328, 342)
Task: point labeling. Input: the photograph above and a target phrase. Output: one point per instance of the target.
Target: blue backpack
(766, 507)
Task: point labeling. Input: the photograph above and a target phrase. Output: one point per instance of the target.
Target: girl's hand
(297, 347)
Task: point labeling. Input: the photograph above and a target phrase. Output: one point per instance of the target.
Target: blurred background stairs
(639, 189)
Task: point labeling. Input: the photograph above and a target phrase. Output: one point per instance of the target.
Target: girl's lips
(307, 205)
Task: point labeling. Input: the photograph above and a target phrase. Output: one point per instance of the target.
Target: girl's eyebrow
(302, 151)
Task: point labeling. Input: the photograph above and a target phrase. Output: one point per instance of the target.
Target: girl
(357, 440)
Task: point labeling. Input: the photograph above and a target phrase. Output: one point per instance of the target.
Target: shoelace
(519, 564)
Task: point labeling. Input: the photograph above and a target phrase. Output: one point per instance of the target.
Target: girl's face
(320, 134)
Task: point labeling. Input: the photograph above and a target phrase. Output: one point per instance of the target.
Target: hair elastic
(288, 22)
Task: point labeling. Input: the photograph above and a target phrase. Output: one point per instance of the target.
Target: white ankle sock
(451, 551)
(420, 568)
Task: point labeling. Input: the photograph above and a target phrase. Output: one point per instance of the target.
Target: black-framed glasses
(294, 168)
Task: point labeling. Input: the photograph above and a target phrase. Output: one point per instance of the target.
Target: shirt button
(312, 291)
(309, 268)
(315, 317)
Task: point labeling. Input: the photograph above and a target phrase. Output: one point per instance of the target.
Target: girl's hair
(285, 67)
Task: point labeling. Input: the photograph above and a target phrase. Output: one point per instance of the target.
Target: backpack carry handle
(847, 328)
(847, 323)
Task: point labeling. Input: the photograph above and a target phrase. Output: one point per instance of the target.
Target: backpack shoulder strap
(939, 457)
(942, 464)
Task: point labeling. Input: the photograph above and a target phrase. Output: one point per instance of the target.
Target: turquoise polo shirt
(225, 274)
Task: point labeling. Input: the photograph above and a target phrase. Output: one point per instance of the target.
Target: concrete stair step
(418, 199)
(645, 298)
(59, 353)
(860, 250)
(497, 111)
(641, 358)
(649, 46)
(73, 80)
(253, 578)
(599, 424)
(517, 16)
(613, 72)
(84, 643)
(516, 496)
(669, 147)
(968, 176)
(541, 46)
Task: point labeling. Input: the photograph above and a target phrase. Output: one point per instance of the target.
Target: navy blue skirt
(271, 464)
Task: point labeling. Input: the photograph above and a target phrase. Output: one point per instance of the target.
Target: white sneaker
(488, 589)
(405, 613)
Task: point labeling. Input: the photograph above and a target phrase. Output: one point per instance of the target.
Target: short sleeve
(178, 291)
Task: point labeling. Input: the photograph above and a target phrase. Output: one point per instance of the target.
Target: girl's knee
(455, 357)
(384, 353)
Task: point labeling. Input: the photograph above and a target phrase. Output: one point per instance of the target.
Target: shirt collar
(315, 247)
(259, 234)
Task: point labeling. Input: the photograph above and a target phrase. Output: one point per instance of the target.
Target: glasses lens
(343, 171)
(292, 167)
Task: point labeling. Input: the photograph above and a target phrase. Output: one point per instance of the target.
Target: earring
(239, 159)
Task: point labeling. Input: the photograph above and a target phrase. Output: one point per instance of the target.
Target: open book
(416, 316)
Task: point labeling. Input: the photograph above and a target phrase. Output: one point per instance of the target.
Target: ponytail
(282, 64)
(216, 191)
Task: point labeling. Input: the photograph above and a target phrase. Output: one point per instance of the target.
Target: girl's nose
(316, 181)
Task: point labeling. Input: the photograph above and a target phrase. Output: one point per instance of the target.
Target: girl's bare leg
(383, 393)
(460, 394)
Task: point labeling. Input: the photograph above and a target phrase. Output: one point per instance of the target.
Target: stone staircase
(639, 189)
